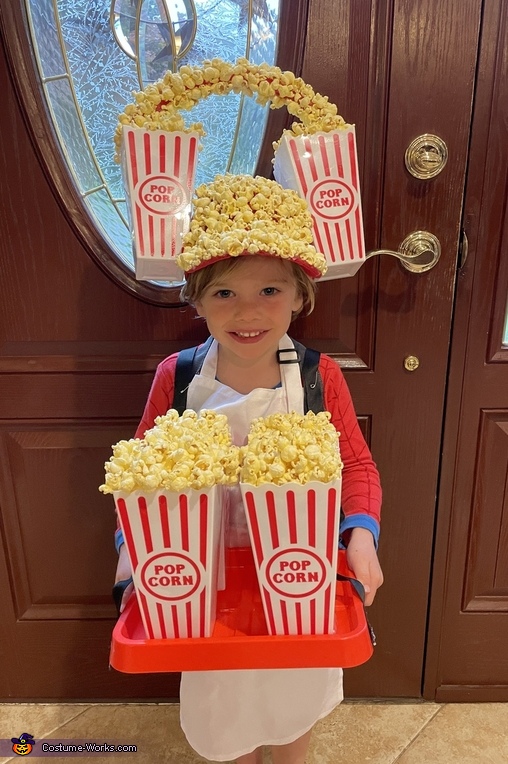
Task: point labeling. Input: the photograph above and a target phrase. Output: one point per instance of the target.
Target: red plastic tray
(240, 639)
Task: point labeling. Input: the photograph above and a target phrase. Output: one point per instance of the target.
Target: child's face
(250, 309)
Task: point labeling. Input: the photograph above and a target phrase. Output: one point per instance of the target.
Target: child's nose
(247, 307)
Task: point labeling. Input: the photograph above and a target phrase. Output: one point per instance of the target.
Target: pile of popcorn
(179, 452)
(236, 214)
(291, 448)
(158, 106)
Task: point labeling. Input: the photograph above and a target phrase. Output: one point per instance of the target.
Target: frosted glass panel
(48, 43)
(110, 224)
(102, 52)
(72, 136)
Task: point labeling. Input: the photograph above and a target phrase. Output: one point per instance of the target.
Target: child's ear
(198, 305)
(298, 303)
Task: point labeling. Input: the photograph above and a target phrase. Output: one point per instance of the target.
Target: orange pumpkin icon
(23, 744)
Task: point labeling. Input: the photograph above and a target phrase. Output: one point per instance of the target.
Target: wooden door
(79, 351)
(469, 617)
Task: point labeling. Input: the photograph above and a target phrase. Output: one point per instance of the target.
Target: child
(250, 266)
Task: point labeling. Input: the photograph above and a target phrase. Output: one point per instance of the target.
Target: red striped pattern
(298, 165)
(311, 517)
(324, 155)
(146, 613)
(256, 535)
(313, 159)
(203, 527)
(338, 155)
(188, 618)
(177, 155)
(147, 154)
(160, 618)
(288, 518)
(163, 237)
(162, 153)
(191, 163)
(145, 524)
(184, 521)
(331, 541)
(267, 600)
(173, 522)
(290, 500)
(151, 238)
(155, 153)
(127, 532)
(139, 222)
(272, 519)
(133, 158)
(352, 160)
(164, 518)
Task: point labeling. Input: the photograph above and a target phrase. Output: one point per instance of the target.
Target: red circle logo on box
(171, 576)
(295, 572)
(332, 198)
(162, 195)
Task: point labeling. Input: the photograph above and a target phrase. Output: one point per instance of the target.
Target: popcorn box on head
(173, 542)
(323, 169)
(158, 170)
(294, 534)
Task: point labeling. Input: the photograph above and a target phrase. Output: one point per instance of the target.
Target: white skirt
(227, 714)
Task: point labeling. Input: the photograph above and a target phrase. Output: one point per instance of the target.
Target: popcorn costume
(227, 714)
(277, 706)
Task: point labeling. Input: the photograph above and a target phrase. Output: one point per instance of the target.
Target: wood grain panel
(58, 524)
(486, 580)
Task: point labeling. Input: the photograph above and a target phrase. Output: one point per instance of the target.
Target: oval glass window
(92, 54)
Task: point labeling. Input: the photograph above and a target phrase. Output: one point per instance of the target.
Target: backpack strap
(313, 391)
(188, 364)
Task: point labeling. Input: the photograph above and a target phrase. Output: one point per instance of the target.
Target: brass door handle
(419, 252)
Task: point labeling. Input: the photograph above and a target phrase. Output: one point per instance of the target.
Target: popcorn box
(158, 171)
(323, 169)
(294, 533)
(173, 542)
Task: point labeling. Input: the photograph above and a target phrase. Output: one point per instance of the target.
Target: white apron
(227, 714)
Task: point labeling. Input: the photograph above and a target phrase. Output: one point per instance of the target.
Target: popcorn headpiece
(237, 214)
(244, 215)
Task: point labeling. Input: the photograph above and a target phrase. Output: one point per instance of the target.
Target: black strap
(360, 591)
(118, 590)
(313, 393)
(188, 364)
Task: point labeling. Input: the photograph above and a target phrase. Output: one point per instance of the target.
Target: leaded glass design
(92, 54)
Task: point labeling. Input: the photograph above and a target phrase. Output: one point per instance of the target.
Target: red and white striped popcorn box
(173, 542)
(294, 532)
(158, 170)
(323, 169)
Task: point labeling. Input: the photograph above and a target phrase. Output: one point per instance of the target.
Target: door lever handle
(419, 252)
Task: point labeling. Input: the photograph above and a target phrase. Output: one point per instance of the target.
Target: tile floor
(356, 732)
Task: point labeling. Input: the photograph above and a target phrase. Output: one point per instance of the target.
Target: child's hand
(123, 571)
(362, 559)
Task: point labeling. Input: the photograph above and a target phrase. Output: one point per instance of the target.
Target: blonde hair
(197, 282)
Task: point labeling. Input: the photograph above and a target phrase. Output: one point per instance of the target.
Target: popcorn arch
(158, 106)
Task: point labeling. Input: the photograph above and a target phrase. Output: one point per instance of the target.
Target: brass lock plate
(426, 156)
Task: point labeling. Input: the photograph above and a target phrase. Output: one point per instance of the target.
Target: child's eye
(223, 293)
(270, 291)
